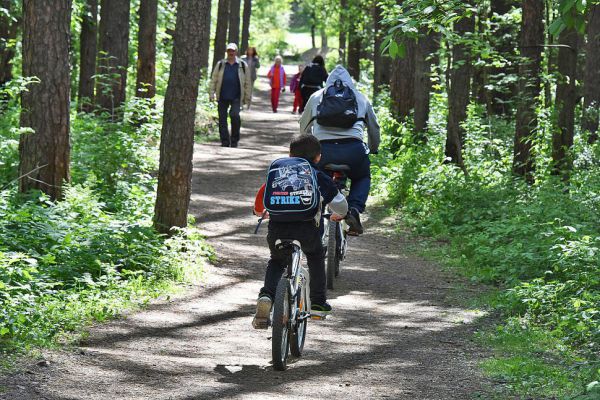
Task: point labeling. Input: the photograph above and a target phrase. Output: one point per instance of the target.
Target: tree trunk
(221, 31)
(177, 136)
(88, 51)
(343, 30)
(381, 63)
(44, 153)
(8, 32)
(562, 135)
(234, 21)
(403, 82)
(459, 93)
(427, 45)
(324, 42)
(146, 67)
(113, 55)
(246, 24)
(313, 35)
(354, 45)
(591, 80)
(532, 39)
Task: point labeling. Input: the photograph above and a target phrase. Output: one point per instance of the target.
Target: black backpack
(338, 107)
(222, 64)
(291, 191)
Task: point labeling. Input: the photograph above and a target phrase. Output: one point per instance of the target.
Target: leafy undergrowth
(93, 254)
(538, 244)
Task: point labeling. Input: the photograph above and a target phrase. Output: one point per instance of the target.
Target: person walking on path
(251, 58)
(230, 86)
(342, 140)
(277, 79)
(313, 78)
(295, 88)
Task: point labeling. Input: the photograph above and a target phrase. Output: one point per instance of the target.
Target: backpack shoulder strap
(220, 63)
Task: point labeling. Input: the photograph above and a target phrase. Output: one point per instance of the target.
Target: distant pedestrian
(295, 88)
(230, 85)
(278, 80)
(251, 58)
(313, 78)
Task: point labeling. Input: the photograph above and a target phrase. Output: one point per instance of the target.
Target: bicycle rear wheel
(298, 333)
(281, 317)
(332, 253)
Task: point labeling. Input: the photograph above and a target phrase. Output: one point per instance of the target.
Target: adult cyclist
(345, 144)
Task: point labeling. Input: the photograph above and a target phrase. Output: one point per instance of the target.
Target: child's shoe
(263, 310)
(320, 311)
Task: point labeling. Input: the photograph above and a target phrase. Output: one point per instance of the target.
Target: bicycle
(291, 308)
(335, 236)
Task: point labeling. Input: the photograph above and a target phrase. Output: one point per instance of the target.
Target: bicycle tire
(332, 253)
(298, 333)
(281, 313)
(341, 253)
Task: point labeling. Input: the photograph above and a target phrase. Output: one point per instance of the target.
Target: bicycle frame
(299, 283)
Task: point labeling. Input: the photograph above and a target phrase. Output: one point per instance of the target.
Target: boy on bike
(338, 115)
(307, 232)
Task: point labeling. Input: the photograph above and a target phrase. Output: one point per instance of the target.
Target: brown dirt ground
(396, 332)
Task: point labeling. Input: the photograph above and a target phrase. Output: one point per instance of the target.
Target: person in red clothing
(295, 88)
(277, 79)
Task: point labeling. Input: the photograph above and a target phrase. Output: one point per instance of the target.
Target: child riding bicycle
(290, 193)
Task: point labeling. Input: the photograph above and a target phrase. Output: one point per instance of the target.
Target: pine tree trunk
(234, 22)
(324, 41)
(591, 80)
(221, 31)
(532, 40)
(427, 45)
(8, 32)
(459, 93)
(381, 63)
(205, 45)
(354, 45)
(562, 136)
(313, 35)
(403, 82)
(246, 25)
(343, 30)
(88, 51)
(44, 153)
(113, 54)
(177, 136)
(146, 67)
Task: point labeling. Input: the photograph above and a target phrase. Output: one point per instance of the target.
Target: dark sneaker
(353, 221)
(263, 310)
(234, 144)
(224, 144)
(320, 311)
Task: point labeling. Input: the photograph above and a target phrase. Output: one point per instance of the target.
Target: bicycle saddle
(286, 243)
(337, 167)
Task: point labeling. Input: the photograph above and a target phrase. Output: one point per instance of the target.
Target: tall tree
(246, 25)
(427, 45)
(8, 33)
(177, 136)
(403, 81)
(591, 79)
(88, 49)
(221, 31)
(381, 63)
(458, 93)
(146, 65)
(354, 46)
(113, 54)
(234, 21)
(205, 45)
(343, 31)
(531, 42)
(44, 153)
(562, 135)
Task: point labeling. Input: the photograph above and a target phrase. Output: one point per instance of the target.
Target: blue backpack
(292, 192)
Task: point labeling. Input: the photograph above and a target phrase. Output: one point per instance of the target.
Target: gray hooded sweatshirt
(365, 110)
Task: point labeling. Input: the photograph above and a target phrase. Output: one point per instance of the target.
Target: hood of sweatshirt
(342, 74)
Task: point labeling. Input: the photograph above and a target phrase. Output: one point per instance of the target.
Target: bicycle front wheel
(281, 318)
(332, 253)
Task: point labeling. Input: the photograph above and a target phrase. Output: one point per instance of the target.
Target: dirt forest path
(394, 333)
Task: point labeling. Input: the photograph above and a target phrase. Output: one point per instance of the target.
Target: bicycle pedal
(318, 317)
(260, 323)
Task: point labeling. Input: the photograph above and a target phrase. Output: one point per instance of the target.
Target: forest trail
(394, 333)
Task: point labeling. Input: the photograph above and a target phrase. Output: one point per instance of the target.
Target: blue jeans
(354, 154)
(234, 113)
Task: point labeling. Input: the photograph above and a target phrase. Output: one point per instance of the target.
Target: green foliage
(539, 244)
